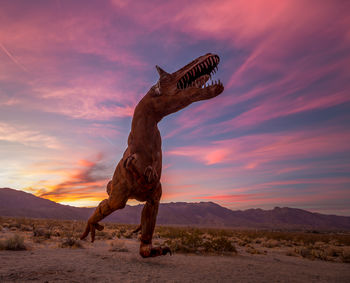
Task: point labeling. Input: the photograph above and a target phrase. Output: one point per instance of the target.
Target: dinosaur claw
(166, 250)
(150, 174)
(149, 251)
(128, 160)
(91, 227)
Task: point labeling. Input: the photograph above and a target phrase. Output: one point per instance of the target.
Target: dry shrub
(327, 253)
(291, 252)
(6, 225)
(271, 244)
(26, 228)
(14, 243)
(71, 243)
(41, 232)
(118, 246)
(243, 242)
(196, 241)
(345, 256)
(220, 245)
(252, 250)
(70, 237)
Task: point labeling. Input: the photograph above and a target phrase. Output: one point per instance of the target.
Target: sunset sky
(71, 73)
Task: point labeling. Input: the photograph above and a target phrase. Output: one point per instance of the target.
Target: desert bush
(41, 232)
(271, 243)
(196, 241)
(326, 252)
(305, 252)
(71, 243)
(220, 245)
(25, 227)
(291, 252)
(252, 250)
(118, 246)
(6, 225)
(13, 243)
(345, 256)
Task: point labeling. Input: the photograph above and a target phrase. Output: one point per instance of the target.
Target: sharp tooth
(206, 65)
(199, 67)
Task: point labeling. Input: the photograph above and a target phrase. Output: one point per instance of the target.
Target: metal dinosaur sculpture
(137, 175)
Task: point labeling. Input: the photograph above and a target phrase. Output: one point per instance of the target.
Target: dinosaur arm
(144, 174)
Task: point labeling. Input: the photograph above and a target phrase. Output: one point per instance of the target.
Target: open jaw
(200, 73)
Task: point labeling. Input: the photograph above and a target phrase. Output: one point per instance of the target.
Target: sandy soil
(96, 262)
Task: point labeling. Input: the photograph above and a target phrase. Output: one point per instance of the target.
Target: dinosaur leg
(148, 222)
(117, 200)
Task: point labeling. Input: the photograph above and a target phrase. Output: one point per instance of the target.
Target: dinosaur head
(191, 83)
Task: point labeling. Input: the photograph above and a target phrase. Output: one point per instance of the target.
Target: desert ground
(50, 251)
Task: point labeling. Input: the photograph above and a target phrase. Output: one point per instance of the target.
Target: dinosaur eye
(157, 89)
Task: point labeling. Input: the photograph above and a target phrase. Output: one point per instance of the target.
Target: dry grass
(65, 233)
(13, 243)
(71, 243)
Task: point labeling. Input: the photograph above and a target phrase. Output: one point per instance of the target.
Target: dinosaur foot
(148, 251)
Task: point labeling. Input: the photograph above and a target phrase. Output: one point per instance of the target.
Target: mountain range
(16, 203)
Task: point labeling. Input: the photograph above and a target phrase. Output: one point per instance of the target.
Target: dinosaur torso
(144, 140)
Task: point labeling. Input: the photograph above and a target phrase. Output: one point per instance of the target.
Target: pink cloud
(258, 149)
(28, 137)
(286, 193)
(288, 43)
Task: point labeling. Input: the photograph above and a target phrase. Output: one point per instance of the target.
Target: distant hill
(20, 204)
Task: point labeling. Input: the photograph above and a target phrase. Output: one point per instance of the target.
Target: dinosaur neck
(143, 123)
(144, 128)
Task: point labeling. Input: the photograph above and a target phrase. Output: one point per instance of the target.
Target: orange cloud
(84, 183)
